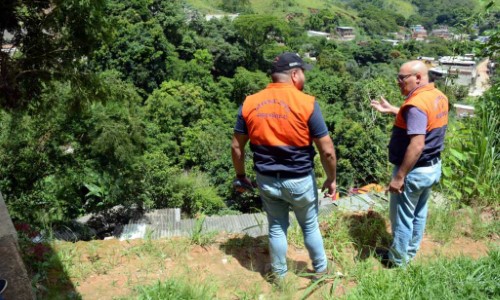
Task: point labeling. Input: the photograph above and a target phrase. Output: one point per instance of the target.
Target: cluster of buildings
(461, 68)
(417, 32)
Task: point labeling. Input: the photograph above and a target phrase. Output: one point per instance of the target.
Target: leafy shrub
(471, 171)
(170, 186)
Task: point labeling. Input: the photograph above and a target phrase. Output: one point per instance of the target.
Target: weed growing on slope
(459, 278)
(199, 236)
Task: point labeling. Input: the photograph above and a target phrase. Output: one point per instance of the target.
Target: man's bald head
(417, 67)
(412, 74)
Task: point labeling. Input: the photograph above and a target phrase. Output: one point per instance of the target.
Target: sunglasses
(402, 77)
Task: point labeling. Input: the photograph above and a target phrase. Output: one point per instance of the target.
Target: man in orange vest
(415, 150)
(281, 123)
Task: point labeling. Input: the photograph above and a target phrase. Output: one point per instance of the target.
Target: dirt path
(482, 79)
(237, 266)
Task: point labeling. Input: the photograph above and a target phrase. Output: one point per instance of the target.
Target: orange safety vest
(278, 116)
(429, 100)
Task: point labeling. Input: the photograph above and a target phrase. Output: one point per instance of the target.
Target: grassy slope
(266, 7)
(454, 254)
(405, 8)
(206, 6)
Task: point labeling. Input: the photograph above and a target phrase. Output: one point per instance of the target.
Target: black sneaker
(3, 285)
(383, 256)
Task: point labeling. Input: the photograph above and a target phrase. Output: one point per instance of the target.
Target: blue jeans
(301, 195)
(408, 212)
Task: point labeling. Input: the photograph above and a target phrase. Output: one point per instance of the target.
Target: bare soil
(236, 265)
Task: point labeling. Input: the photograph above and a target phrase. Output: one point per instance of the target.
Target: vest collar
(274, 85)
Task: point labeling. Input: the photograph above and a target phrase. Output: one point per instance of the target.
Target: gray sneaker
(327, 275)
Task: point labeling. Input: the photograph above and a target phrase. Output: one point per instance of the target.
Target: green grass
(445, 223)
(484, 222)
(267, 7)
(459, 278)
(404, 8)
(442, 223)
(349, 239)
(199, 236)
(206, 6)
(176, 288)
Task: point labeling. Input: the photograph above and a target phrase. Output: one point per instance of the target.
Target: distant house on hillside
(345, 33)
(442, 32)
(293, 15)
(418, 33)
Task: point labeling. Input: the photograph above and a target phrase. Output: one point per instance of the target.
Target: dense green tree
(258, 31)
(246, 83)
(372, 52)
(221, 39)
(377, 22)
(53, 39)
(140, 50)
(324, 20)
(171, 109)
(236, 6)
(171, 16)
(69, 162)
(171, 186)
(332, 60)
(432, 12)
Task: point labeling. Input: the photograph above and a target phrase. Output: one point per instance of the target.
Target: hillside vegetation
(137, 107)
(282, 7)
(132, 103)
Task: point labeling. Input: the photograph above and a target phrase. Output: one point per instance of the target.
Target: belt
(284, 174)
(428, 163)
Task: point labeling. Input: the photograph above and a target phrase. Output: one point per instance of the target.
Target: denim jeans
(408, 212)
(301, 195)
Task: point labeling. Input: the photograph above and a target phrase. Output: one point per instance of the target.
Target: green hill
(274, 7)
(283, 7)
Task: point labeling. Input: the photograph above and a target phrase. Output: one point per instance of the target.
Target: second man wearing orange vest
(415, 151)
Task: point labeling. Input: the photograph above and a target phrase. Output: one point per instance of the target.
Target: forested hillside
(134, 102)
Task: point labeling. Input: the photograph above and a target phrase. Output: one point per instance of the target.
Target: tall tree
(51, 39)
(259, 31)
(141, 50)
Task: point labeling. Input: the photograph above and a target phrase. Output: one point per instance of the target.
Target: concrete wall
(11, 264)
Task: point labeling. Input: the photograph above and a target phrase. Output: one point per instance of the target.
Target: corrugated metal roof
(164, 223)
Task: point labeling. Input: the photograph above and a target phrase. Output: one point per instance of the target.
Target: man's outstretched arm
(384, 106)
